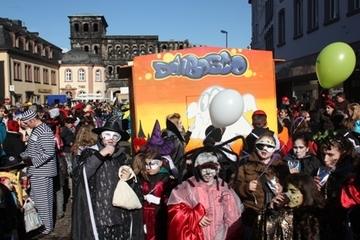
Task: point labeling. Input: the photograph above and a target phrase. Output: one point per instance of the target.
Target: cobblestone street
(62, 228)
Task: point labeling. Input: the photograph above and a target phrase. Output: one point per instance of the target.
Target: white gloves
(192, 127)
(152, 199)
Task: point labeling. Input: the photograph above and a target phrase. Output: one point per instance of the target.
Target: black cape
(81, 224)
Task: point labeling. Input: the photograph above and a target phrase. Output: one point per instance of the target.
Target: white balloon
(226, 108)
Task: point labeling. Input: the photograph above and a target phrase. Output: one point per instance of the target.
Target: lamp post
(226, 35)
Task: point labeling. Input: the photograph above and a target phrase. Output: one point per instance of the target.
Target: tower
(87, 30)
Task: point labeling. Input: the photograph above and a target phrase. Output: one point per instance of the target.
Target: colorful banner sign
(186, 81)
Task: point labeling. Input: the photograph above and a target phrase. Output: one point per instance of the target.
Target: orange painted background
(156, 97)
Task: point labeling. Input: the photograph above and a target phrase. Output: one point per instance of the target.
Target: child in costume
(203, 206)
(155, 169)
(157, 184)
(303, 217)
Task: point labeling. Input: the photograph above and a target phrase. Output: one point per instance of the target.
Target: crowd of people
(299, 182)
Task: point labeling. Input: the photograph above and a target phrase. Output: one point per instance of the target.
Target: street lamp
(226, 34)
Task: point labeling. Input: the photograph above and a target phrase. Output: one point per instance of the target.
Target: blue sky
(199, 21)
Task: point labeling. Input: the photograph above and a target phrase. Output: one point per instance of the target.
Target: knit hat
(28, 115)
(330, 103)
(206, 158)
(214, 133)
(157, 142)
(13, 126)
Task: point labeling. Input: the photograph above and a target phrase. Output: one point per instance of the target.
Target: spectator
(13, 144)
(341, 103)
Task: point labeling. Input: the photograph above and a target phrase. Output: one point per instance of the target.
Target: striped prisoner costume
(41, 150)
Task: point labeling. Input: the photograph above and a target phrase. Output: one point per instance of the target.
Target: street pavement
(62, 227)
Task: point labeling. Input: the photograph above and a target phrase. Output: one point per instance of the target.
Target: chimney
(17, 22)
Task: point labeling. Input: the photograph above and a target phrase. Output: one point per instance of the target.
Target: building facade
(296, 31)
(29, 65)
(82, 75)
(89, 32)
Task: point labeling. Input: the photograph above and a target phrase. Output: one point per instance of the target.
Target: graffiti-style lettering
(195, 68)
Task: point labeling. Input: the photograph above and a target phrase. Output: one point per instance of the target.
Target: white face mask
(109, 135)
(152, 164)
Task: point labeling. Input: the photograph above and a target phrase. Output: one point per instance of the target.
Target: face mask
(267, 148)
(152, 164)
(109, 135)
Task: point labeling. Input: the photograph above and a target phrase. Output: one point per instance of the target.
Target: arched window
(95, 27)
(86, 48)
(118, 50)
(81, 92)
(86, 27)
(98, 76)
(164, 48)
(77, 27)
(68, 75)
(81, 75)
(181, 46)
(96, 49)
(69, 94)
(118, 72)
(151, 50)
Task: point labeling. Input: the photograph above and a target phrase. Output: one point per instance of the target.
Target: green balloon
(335, 63)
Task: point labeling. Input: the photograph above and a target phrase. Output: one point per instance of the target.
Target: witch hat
(157, 142)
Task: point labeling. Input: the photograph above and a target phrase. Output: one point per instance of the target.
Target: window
(96, 49)
(17, 71)
(68, 75)
(98, 76)
(298, 18)
(31, 48)
(331, 10)
(80, 93)
(53, 78)
(353, 7)
(313, 14)
(28, 73)
(36, 75)
(76, 27)
(81, 75)
(86, 48)
(95, 27)
(45, 76)
(86, 27)
(269, 39)
(281, 40)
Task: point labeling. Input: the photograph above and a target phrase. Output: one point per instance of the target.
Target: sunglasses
(267, 148)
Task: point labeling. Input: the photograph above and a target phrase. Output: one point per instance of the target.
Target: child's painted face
(208, 174)
(8, 184)
(296, 197)
(153, 166)
(300, 149)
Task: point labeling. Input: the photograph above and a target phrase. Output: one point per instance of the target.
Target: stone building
(89, 32)
(29, 65)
